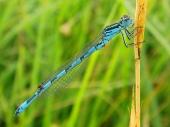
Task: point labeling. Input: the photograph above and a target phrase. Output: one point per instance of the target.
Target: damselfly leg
(130, 35)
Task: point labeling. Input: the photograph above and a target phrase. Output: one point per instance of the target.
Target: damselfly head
(126, 21)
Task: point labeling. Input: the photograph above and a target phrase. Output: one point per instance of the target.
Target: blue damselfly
(107, 34)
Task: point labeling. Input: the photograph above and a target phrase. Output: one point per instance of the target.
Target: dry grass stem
(140, 15)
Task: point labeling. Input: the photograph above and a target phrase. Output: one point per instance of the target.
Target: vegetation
(38, 37)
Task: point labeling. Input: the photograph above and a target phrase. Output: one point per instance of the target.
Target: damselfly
(107, 34)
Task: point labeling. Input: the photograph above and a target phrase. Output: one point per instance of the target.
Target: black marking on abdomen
(30, 98)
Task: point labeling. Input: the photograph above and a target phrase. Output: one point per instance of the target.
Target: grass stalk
(140, 16)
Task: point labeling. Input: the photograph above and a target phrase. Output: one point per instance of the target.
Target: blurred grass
(37, 37)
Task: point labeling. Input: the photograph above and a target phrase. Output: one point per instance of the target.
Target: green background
(39, 36)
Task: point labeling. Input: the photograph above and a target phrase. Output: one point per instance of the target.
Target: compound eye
(125, 17)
